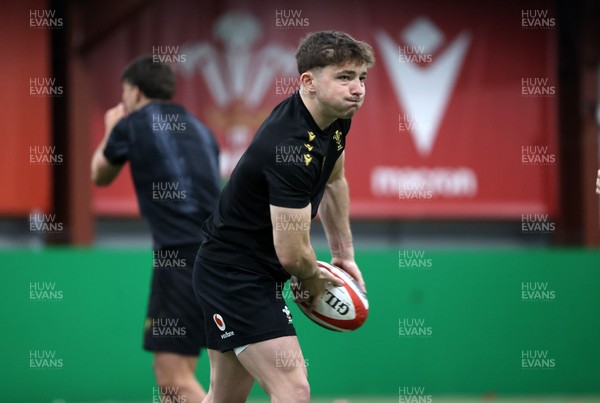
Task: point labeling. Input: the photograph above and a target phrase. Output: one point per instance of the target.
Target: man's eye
(344, 77)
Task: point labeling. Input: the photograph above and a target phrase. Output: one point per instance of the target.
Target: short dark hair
(325, 48)
(155, 80)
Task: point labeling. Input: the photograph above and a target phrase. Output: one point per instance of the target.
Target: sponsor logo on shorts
(218, 319)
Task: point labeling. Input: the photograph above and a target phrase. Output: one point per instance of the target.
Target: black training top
(175, 167)
(287, 164)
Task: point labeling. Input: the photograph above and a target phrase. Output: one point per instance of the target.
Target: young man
(174, 164)
(293, 168)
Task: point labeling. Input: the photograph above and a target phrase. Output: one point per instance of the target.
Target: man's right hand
(316, 284)
(112, 116)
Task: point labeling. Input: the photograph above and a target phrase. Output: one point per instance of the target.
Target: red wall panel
(460, 117)
(26, 154)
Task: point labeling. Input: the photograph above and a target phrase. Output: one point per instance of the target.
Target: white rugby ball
(341, 309)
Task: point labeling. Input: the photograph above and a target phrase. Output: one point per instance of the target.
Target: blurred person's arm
(103, 172)
(334, 212)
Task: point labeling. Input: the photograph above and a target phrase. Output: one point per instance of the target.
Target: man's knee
(172, 377)
(296, 390)
(290, 385)
(302, 391)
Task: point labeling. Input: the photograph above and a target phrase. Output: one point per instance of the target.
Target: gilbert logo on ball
(219, 321)
(341, 309)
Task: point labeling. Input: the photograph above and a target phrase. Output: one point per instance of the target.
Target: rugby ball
(340, 309)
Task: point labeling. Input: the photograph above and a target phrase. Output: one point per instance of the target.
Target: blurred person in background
(174, 165)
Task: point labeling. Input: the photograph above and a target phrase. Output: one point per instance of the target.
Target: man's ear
(307, 79)
(138, 94)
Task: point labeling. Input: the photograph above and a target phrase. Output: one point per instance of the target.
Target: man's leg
(172, 300)
(229, 380)
(279, 367)
(176, 377)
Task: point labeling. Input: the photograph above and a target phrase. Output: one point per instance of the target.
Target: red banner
(27, 154)
(460, 116)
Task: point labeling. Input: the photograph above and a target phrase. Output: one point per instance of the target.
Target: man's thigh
(276, 363)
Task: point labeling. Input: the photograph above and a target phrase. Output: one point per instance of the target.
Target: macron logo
(423, 91)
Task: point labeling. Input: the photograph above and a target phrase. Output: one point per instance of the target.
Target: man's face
(340, 89)
(130, 97)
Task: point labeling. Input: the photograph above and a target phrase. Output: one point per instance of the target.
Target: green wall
(468, 307)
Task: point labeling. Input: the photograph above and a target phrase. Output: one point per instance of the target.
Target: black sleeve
(290, 184)
(117, 146)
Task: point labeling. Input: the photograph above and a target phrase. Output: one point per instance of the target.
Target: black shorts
(241, 306)
(174, 321)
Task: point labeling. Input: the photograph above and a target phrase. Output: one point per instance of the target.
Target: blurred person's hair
(155, 80)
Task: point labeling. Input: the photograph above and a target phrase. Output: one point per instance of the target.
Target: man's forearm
(100, 148)
(334, 212)
(292, 244)
(304, 265)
